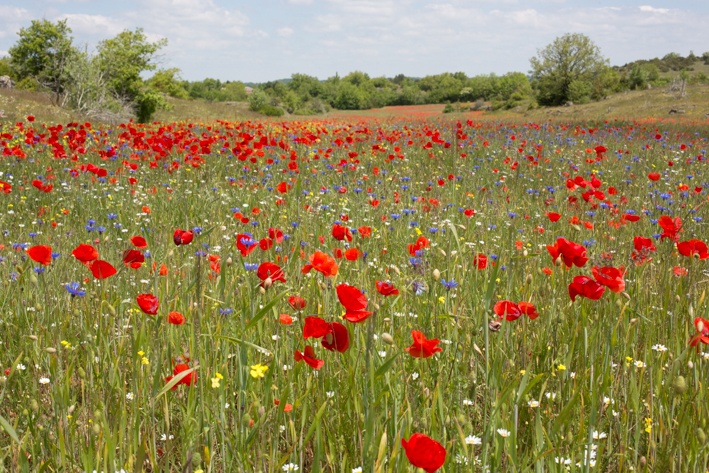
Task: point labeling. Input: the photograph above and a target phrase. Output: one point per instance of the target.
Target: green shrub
(271, 111)
(448, 108)
(28, 83)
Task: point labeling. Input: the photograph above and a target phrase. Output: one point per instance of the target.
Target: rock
(568, 104)
(6, 82)
(674, 110)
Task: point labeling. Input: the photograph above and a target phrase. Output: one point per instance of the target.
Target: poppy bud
(690, 365)
(261, 411)
(268, 283)
(525, 253)
(576, 227)
(33, 279)
(71, 408)
(701, 436)
(494, 326)
(558, 261)
(387, 319)
(691, 311)
(678, 299)
(642, 462)
(32, 337)
(396, 269)
(25, 412)
(443, 253)
(97, 429)
(19, 269)
(229, 261)
(436, 274)
(35, 406)
(700, 326)
(529, 279)
(105, 239)
(171, 253)
(388, 339)
(197, 459)
(462, 419)
(679, 385)
(50, 350)
(569, 437)
(618, 303)
(262, 290)
(82, 373)
(376, 306)
(97, 413)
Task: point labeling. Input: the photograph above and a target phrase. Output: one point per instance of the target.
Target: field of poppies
(354, 295)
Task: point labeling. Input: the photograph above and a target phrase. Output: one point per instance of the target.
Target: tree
(42, 53)
(169, 82)
(123, 59)
(705, 56)
(570, 58)
(6, 68)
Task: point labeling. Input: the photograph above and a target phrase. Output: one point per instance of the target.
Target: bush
(257, 100)
(580, 91)
(448, 108)
(28, 83)
(271, 111)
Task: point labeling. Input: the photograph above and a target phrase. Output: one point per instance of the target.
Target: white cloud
(285, 31)
(648, 8)
(93, 24)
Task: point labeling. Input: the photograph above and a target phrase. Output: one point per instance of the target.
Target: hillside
(650, 103)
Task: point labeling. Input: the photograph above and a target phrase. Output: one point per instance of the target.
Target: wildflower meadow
(354, 295)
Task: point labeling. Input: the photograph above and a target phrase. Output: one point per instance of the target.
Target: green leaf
(262, 313)
(385, 366)
(320, 413)
(565, 413)
(8, 428)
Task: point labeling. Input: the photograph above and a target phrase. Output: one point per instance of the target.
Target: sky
(258, 41)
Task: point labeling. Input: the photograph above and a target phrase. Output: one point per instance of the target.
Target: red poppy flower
(354, 302)
(553, 216)
(702, 326)
(671, 227)
(181, 237)
(508, 310)
(528, 309)
(693, 247)
(323, 263)
(571, 253)
(285, 319)
(85, 253)
(175, 318)
(352, 254)
(422, 348)
(148, 303)
(309, 357)
(187, 380)
(275, 234)
(245, 244)
(610, 277)
(366, 232)
(5, 187)
(469, 212)
(270, 270)
(337, 253)
(102, 269)
(42, 254)
(139, 242)
(340, 233)
(298, 303)
(424, 452)
(315, 327)
(654, 176)
(266, 244)
(282, 187)
(386, 289)
(133, 258)
(337, 339)
(480, 261)
(679, 271)
(643, 247)
(585, 287)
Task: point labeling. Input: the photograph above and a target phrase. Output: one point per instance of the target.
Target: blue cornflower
(450, 284)
(74, 290)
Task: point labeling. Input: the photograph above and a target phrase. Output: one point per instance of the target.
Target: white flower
(572, 375)
(21, 367)
(550, 395)
(473, 440)
(415, 375)
(533, 403)
(275, 337)
(639, 364)
(282, 428)
(659, 348)
(290, 467)
(130, 396)
(383, 354)
(599, 435)
(164, 437)
(329, 394)
(43, 380)
(226, 405)
(607, 400)
(467, 402)
(357, 470)
(503, 432)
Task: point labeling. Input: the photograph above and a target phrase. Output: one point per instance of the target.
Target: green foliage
(257, 100)
(705, 57)
(638, 77)
(147, 103)
(271, 111)
(348, 98)
(42, 52)
(28, 83)
(168, 81)
(570, 58)
(6, 68)
(448, 108)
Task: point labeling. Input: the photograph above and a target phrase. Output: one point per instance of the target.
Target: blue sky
(271, 39)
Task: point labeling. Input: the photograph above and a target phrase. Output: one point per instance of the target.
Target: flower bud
(387, 338)
(387, 319)
(82, 373)
(701, 436)
(529, 279)
(97, 429)
(262, 290)
(525, 253)
(32, 337)
(33, 279)
(642, 462)
(229, 261)
(443, 253)
(34, 405)
(558, 261)
(690, 365)
(261, 411)
(376, 306)
(268, 283)
(50, 350)
(436, 274)
(679, 385)
(72, 408)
